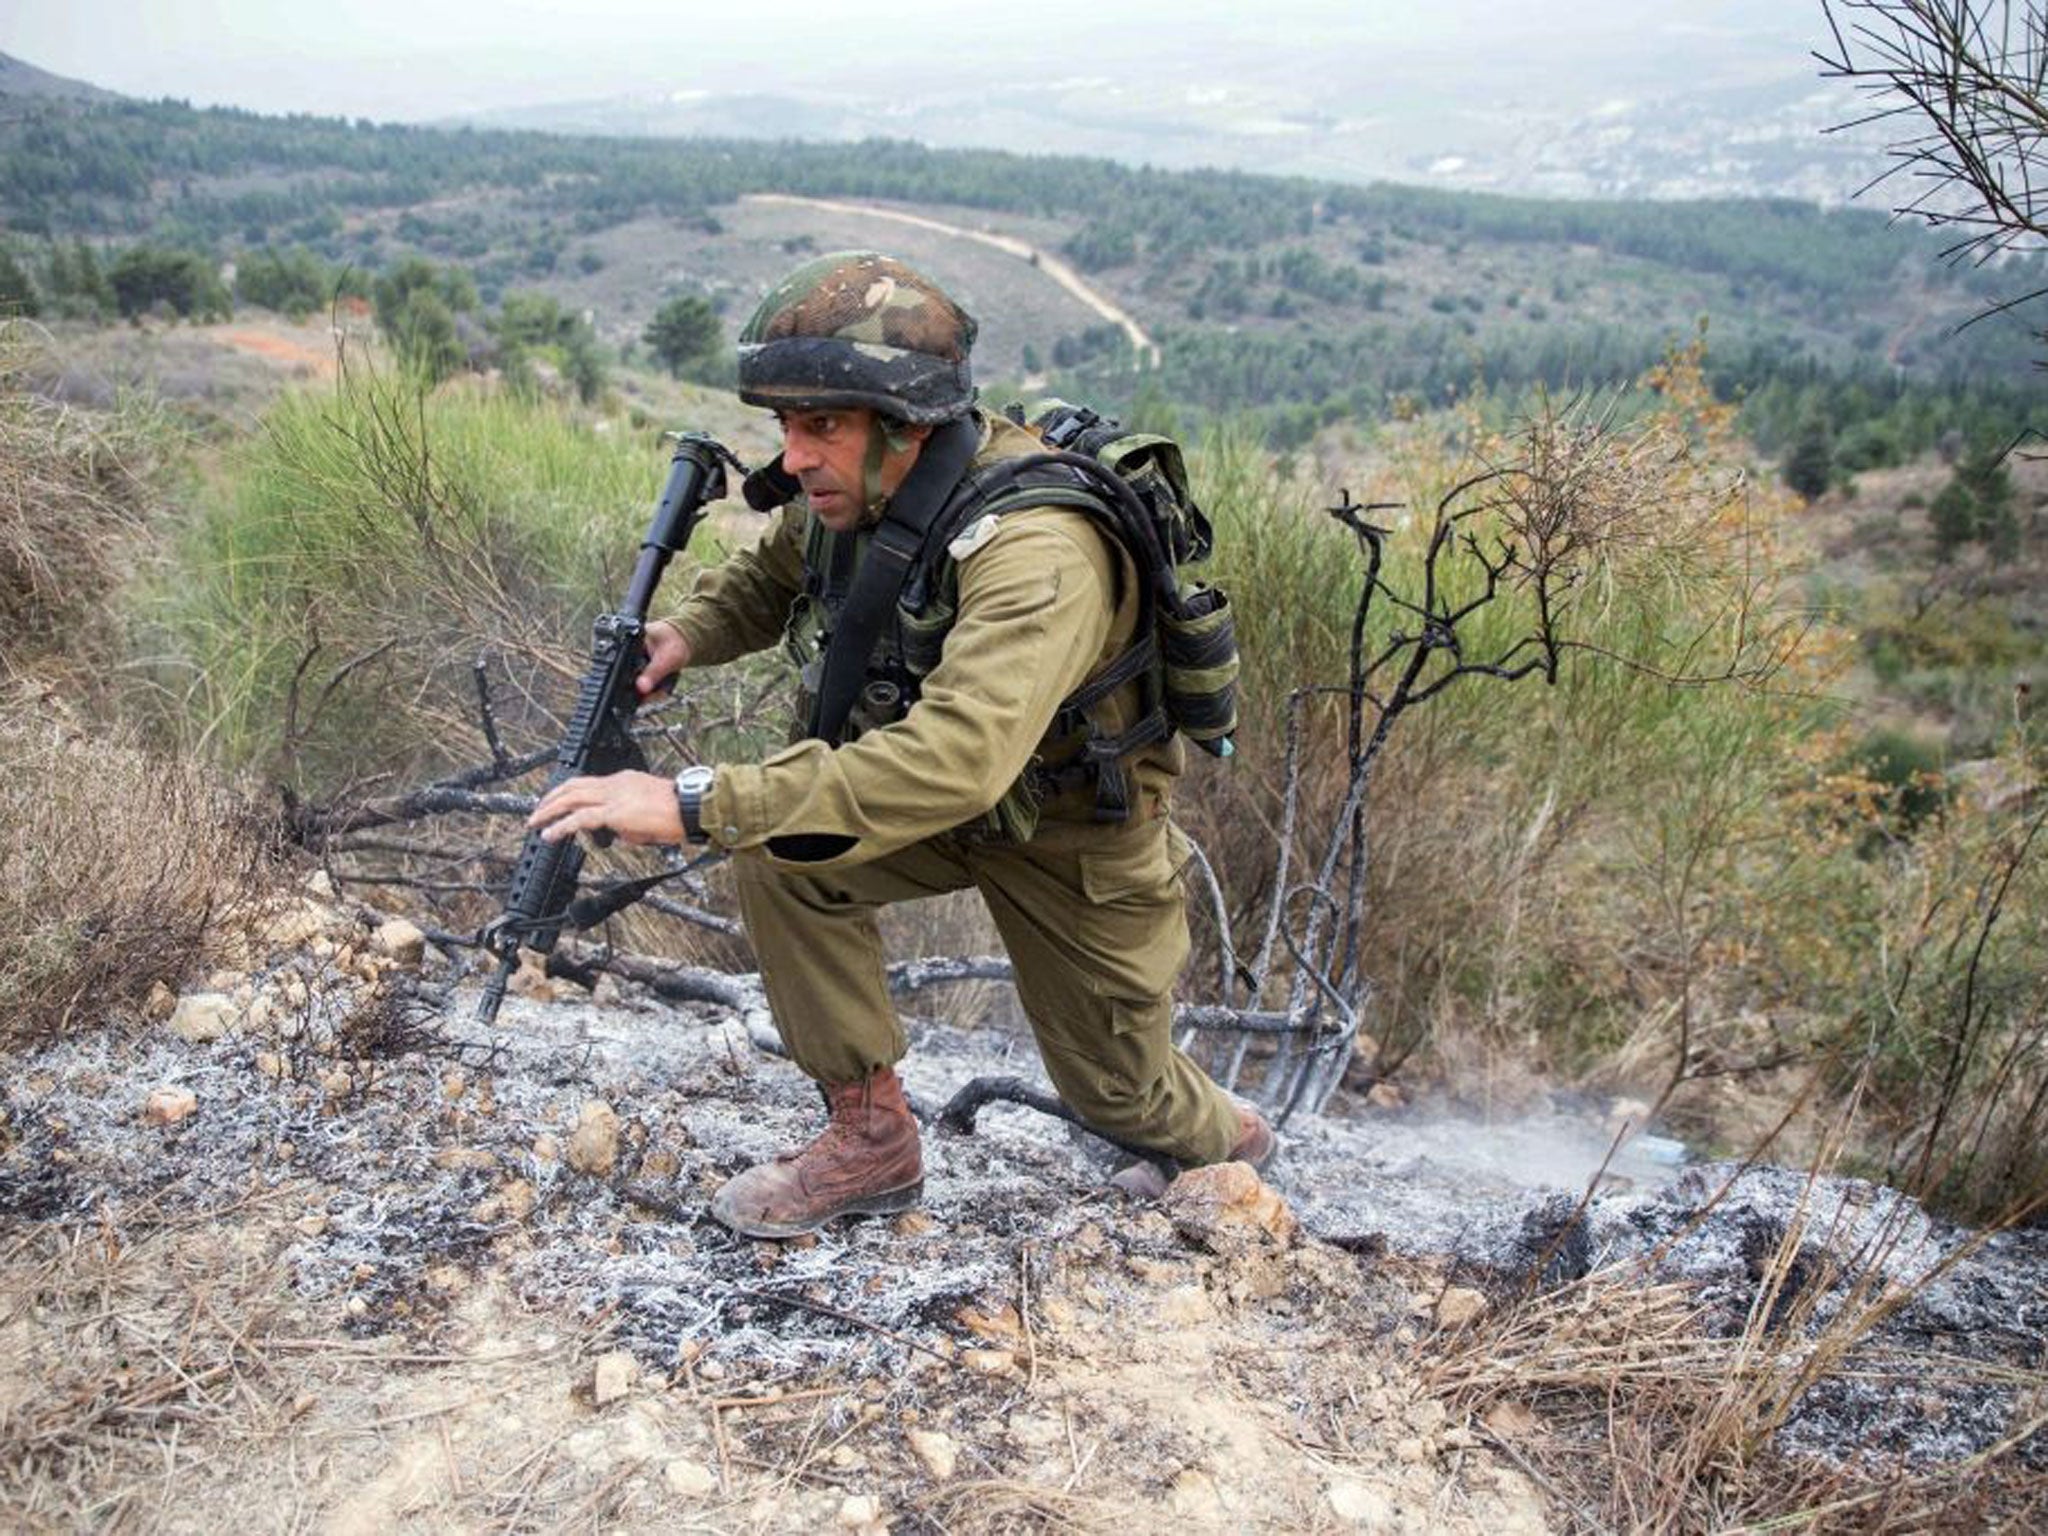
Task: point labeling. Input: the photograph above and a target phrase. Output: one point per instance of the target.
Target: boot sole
(889, 1202)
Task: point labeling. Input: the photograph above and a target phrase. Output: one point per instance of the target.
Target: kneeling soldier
(963, 765)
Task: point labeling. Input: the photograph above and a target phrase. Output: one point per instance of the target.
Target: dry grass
(118, 870)
(72, 508)
(1634, 1412)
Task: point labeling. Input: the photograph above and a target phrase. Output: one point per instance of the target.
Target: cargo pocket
(1132, 921)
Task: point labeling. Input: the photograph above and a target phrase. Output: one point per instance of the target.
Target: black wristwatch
(692, 785)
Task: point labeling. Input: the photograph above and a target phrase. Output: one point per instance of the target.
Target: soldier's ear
(901, 436)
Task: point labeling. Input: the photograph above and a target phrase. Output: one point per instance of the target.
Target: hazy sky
(422, 59)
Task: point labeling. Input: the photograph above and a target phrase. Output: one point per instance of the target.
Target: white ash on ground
(420, 1162)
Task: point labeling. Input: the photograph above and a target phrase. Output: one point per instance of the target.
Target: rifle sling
(892, 554)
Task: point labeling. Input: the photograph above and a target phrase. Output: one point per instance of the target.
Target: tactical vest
(1178, 670)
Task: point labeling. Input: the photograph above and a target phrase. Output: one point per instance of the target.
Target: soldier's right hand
(667, 654)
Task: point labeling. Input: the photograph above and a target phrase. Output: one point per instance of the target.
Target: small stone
(296, 927)
(320, 885)
(606, 992)
(532, 981)
(547, 1148)
(613, 1378)
(1227, 1208)
(1194, 1495)
(337, 1084)
(1459, 1438)
(260, 1011)
(1460, 1306)
(996, 1322)
(454, 1086)
(711, 1370)
(988, 1362)
(400, 941)
(594, 1146)
(203, 1016)
(1411, 1450)
(160, 1002)
(293, 990)
(459, 1159)
(913, 1224)
(1360, 1504)
(446, 1279)
(1185, 1305)
(1384, 1096)
(859, 1511)
(1426, 1417)
(167, 1106)
(357, 1307)
(937, 1451)
(1510, 1421)
(689, 1479)
(311, 1226)
(273, 1066)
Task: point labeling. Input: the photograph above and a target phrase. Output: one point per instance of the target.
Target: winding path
(1045, 261)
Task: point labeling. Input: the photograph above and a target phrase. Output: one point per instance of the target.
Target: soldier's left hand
(639, 807)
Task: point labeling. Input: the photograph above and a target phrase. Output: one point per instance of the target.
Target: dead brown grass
(72, 508)
(119, 869)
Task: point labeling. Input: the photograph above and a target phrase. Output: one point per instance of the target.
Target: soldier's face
(826, 450)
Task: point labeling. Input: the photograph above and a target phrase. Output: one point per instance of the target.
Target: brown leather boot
(867, 1163)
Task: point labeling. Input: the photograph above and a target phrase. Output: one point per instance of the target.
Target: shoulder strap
(892, 551)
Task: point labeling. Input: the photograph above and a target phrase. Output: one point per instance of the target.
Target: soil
(396, 1272)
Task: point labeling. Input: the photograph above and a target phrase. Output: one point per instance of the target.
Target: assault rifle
(599, 739)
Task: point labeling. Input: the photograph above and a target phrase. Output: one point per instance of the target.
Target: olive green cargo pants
(1093, 919)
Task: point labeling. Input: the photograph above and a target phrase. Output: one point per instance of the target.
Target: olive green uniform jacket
(1091, 913)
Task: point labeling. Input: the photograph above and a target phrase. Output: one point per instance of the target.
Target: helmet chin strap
(886, 435)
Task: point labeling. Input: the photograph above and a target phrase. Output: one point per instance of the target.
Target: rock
(1510, 1421)
(1411, 1451)
(547, 1148)
(594, 1146)
(689, 1479)
(988, 1362)
(613, 1378)
(458, 1159)
(1227, 1209)
(293, 990)
(357, 1307)
(1184, 1306)
(990, 1322)
(446, 1279)
(1360, 1504)
(296, 926)
(204, 1016)
(167, 1106)
(937, 1451)
(454, 1086)
(1427, 1416)
(320, 885)
(337, 1084)
(311, 1226)
(160, 1002)
(1384, 1096)
(1460, 1306)
(1195, 1496)
(273, 1066)
(532, 981)
(400, 940)
(514, 1202)
(860, 1512)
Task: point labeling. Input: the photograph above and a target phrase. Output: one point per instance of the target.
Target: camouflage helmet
(855, 328)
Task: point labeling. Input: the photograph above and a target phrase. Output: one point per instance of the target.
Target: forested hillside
(1308, 301)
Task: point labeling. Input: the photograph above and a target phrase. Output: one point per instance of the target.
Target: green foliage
(417, 303)
(1976, 505)
(377, 541)
(144, 277)
(17, 292)
(1811, 463)
(294, 281)
(683, 331)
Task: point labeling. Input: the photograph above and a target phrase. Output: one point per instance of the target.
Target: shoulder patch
(976, 534)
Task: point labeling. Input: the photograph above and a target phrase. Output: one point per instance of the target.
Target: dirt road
(1045, 261)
